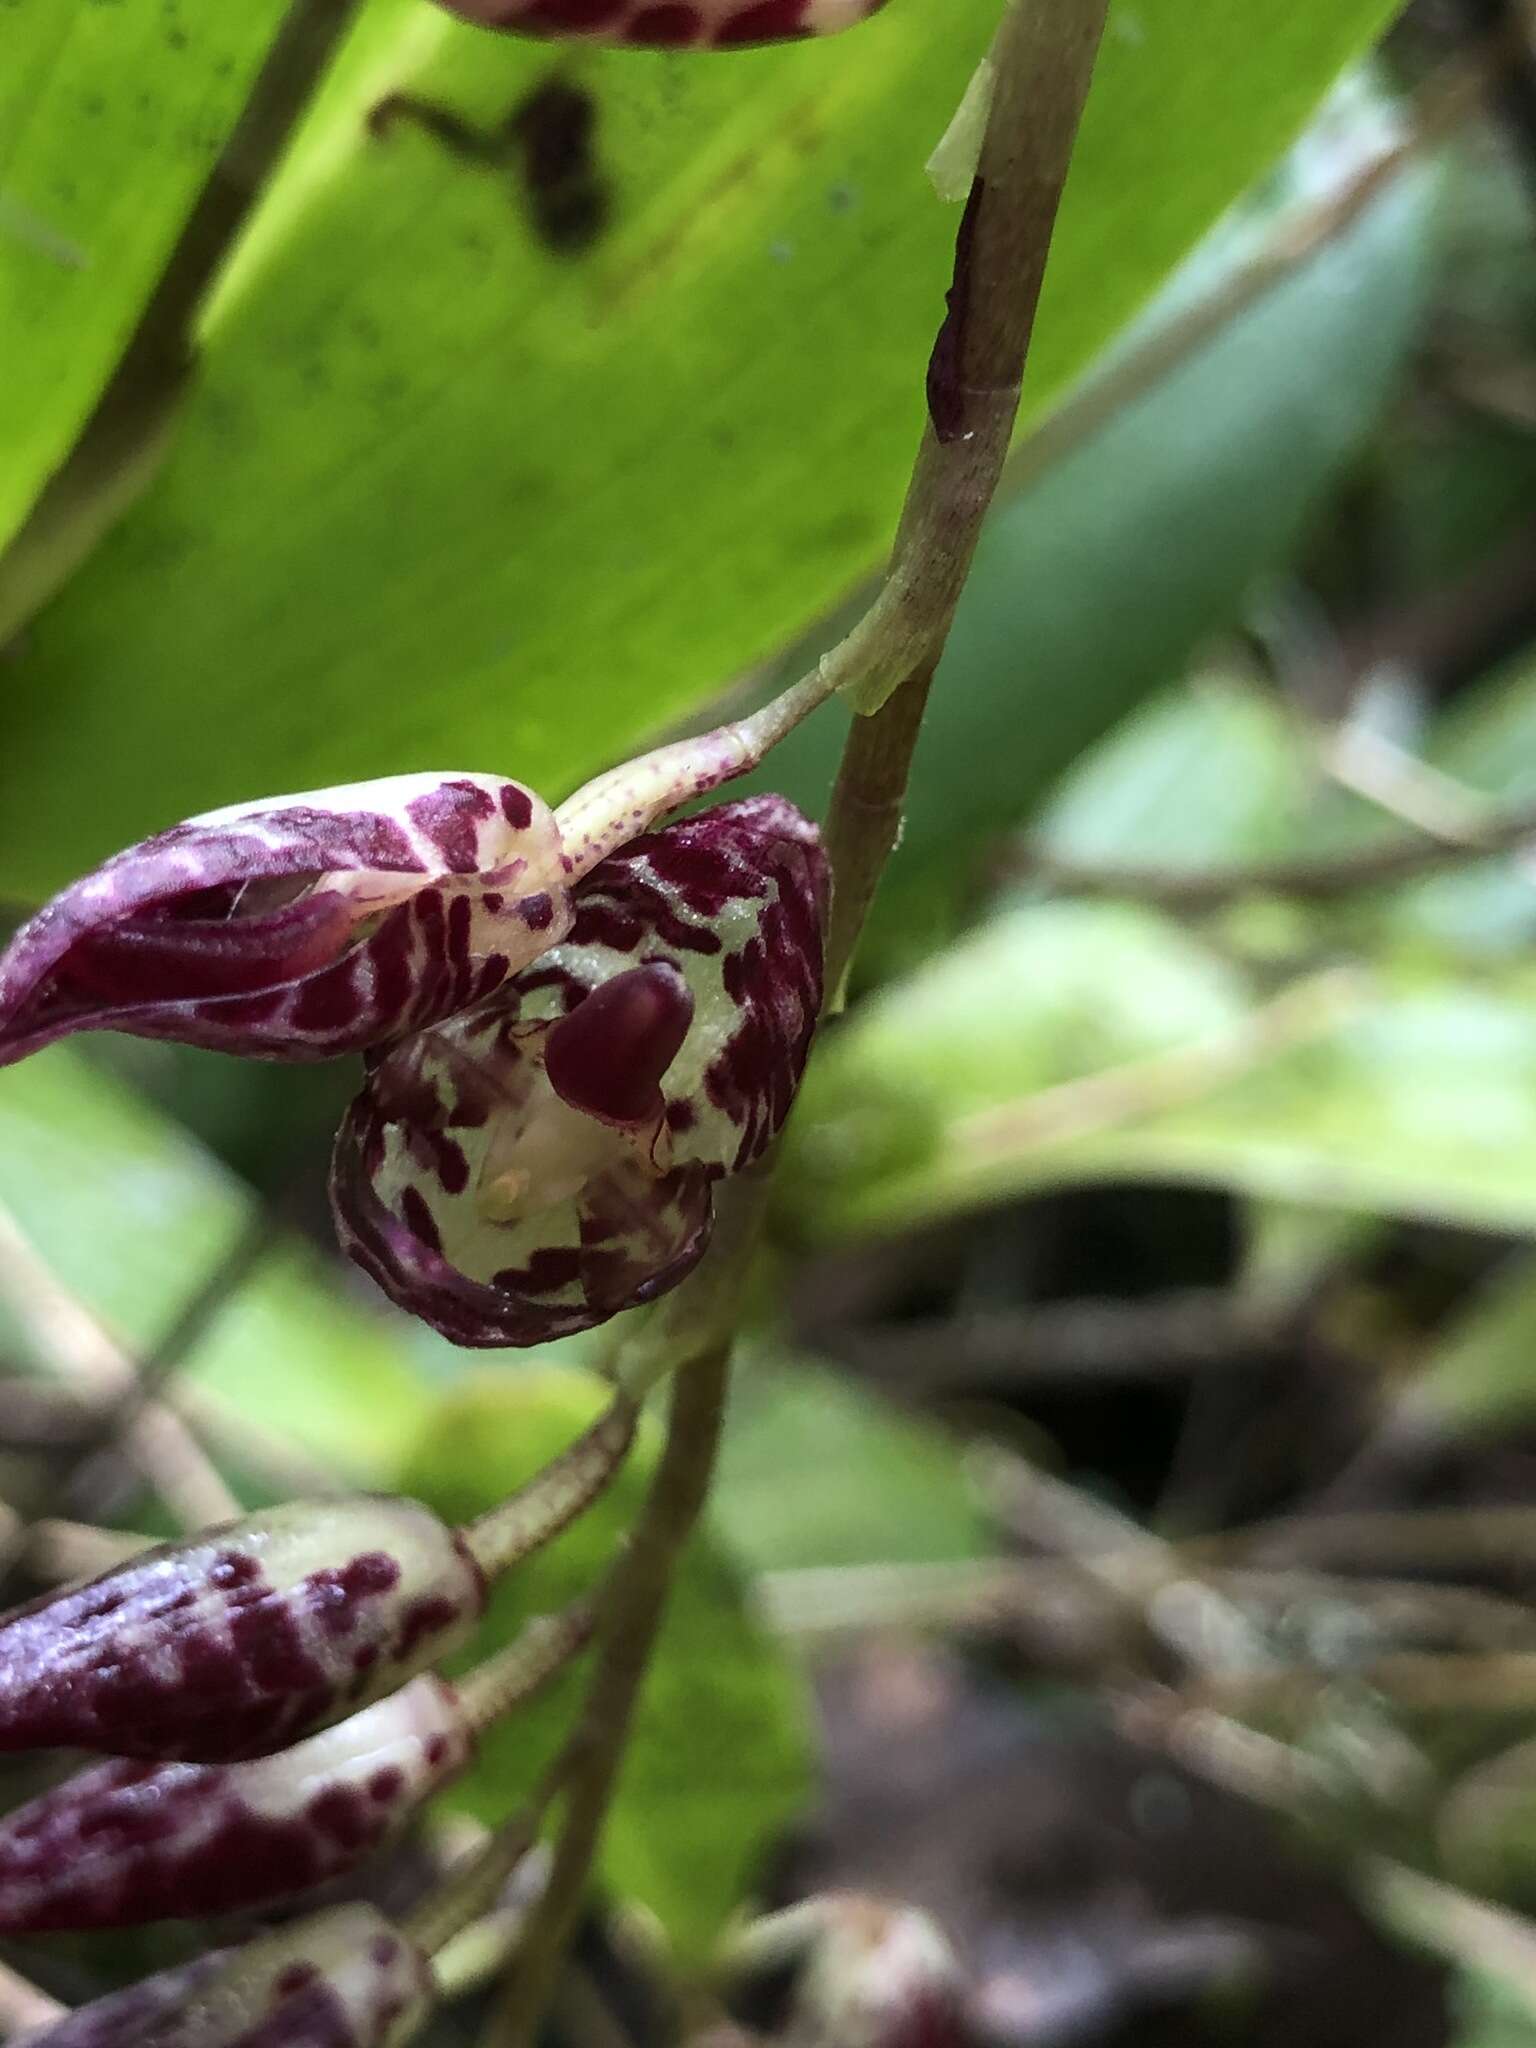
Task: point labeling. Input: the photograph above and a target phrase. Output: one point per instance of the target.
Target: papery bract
(534, 1166)
(669, 24)
(347, 1978)
(242, 1639)
(125, 1842)
(297, 928)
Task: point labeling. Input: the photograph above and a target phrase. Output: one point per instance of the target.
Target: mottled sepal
(347, 1978)
(669, 24)
(242, 1640)
(126, 1842)
(531, 1168)
(298, 928)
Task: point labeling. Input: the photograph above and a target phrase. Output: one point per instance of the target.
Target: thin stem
(634, 1604)
(1044, 59)
(536, 1656)
(556, 1496)
(1312, 877)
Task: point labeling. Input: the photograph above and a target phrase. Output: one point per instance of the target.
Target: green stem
(1044, 57)
(538, 1512)
(633, 1608)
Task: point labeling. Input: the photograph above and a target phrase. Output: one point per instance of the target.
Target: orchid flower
(533, 1166)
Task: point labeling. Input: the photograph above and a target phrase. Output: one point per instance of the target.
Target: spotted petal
(297, 928)
(125, 1842)
(346, 1978)
(669, 24)
(242, 1639)
(530, 1169)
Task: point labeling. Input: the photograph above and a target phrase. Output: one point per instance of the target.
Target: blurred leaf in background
(134, 1217)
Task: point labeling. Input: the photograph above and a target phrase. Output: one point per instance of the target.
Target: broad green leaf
(871, 1486)
(1210, 773)
(1094, 587)
(110, 119)
(1075, 1042)
(133, 1216)
(719, 1760)
(441, 493)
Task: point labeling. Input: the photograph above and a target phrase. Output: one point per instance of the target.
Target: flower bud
(534, 1166)
(669, 24)
(347, 1978)
(125, 1842)
(243, 1639)
(296, 928)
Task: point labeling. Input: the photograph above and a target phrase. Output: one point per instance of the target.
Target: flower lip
(608, 1056)
(532, 1167)
(298, 928)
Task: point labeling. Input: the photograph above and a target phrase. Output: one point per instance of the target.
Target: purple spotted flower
(347, 1978)
(125, 1842)
(297, 928)
(669, 24)
(243, 1639)
(531, 1167)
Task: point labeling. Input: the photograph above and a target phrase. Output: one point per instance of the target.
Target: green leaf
(443, 494)
(719, 1760)
(133, 1217)
(872, 1486)
(1398, 1089)
(1209, 773)
(110, 119)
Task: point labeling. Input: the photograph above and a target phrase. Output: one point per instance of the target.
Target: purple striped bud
(532, 1167)
(342, 1979)
(296, 928)
(125, 1842)
(247, 1637)
(669, 24)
